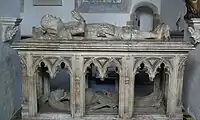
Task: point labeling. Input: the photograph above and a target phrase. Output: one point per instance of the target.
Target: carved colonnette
(127, 56)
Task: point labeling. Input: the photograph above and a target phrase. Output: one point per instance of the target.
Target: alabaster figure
(193, 9)
(56, 100)
(59, 99)
(53, 28)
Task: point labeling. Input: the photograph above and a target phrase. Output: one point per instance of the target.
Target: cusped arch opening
(41, 76)
(61, 78)
(56, 91)
(100, 90)
(154, 92)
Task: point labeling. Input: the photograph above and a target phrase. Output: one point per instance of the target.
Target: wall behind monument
(170, 10)
(9, 8)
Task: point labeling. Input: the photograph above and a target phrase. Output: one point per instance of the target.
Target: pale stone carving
(127, 59)
(52, 27)
(195, 34)
(10, 32)
(98, 100)
(9, 28)
(56, 97)
(94, 100)
(74, 44)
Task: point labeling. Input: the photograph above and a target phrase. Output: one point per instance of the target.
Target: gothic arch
(152, 68)
(57, 64)
(46, 62)
(147, 65)
(168, 65)
(96, 63)
(147, 4)
(118, 65)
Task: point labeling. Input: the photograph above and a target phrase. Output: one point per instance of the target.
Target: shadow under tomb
(59, 96)
(101, 93)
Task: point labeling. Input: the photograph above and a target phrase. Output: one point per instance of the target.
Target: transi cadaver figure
(53, 27)
(60, 100)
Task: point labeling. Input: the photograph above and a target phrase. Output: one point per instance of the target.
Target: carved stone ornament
(195, 35)
(9, 27)
(53, 28)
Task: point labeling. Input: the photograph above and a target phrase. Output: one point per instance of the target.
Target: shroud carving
(94, 100)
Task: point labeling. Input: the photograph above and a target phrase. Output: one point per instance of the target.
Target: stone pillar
(117, 85)
(128, 84)
(10, 28)
(122, 88)
(79, 86)
(46, 87)
(32, 86)
(24, 83)
(172, 89)
(191, 32)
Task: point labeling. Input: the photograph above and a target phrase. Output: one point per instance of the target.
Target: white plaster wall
(32, 14)
(9, 8)
(170, 10)
(146, 22)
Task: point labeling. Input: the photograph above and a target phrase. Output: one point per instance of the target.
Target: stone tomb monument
(74, 46)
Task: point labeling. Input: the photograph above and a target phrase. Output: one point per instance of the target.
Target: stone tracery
(130, 57)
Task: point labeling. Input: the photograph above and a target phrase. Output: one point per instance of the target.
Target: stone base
(61, 116)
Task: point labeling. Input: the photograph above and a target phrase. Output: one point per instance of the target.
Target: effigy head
(51, 24)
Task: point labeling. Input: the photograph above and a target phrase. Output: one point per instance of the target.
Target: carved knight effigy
(53, 27)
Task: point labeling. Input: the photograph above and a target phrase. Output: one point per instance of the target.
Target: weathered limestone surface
(10, 82)
(127, 55)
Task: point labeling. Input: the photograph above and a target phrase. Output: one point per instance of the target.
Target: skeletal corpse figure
(193, 9)
(94, 100)
(52, 27)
